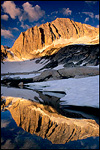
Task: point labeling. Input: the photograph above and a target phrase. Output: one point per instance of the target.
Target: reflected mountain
(45, 121)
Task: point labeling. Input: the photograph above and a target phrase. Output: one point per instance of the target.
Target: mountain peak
(62, 19)
(38, 41)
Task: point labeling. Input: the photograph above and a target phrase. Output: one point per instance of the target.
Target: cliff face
(30, 43)
(44, 121)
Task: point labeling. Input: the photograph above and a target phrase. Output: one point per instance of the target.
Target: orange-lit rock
(38, 41)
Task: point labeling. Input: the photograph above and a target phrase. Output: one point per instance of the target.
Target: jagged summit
(48, 38)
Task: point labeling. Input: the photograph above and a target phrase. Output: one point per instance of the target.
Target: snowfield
(21, 66)
(79, 92)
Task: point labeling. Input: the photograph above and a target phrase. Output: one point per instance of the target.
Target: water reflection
(46, 122)
(14, 137)
(36, 116)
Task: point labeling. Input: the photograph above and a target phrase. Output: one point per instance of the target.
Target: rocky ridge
(73, 56)
(44, 121)
(48, 38)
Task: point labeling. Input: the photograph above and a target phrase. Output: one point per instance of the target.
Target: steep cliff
(48, 38)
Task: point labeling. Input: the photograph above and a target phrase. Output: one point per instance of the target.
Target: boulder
(78, 71)
(47, 75)
(65, 73)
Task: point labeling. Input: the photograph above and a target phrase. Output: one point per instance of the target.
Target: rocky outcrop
(48, 38)
(48, 74)
(73, 56)
(16, 82)
(78, 72)
(44, 121)
(71, 72)
(5, 53)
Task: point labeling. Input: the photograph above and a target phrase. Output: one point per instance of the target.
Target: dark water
(14, 137)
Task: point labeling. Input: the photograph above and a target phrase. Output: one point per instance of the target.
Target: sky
(18, 16)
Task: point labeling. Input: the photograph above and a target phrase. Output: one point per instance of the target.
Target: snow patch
(22, 93)
(75, 62)
(94, 66)
(83, 64)
(59, 67)
(21, 66)
(79, 92)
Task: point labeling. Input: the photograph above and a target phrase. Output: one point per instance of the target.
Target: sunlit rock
(48, 38)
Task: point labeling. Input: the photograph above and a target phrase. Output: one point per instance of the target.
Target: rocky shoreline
(51, 74)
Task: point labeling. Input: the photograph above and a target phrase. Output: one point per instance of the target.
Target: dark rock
(87, 54)
(78, 71)
(45, 75)
(69, 72)
(15, 82)
(71, 64)
(51, 65)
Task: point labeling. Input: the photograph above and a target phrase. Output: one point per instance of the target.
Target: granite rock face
(30, 43)
(45, 121)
